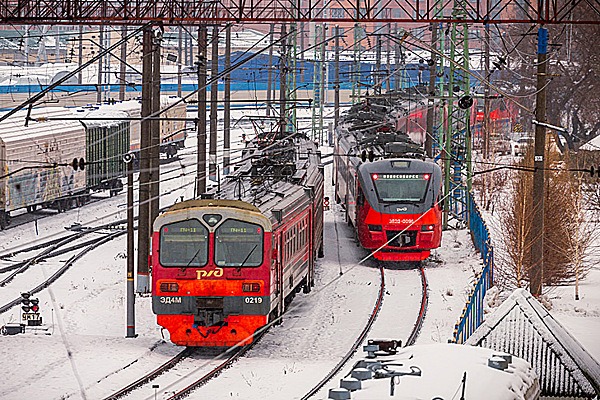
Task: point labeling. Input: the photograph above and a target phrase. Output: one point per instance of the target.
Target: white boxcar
(36, 162)
(172, 132)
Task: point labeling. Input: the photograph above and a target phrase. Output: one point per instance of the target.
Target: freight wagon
(42, 160)
(172, 132)
(35, 162)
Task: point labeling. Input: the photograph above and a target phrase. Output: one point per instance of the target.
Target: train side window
(239, 244)
(183, 244)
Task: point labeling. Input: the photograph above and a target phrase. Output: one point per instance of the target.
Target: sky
(82, 352)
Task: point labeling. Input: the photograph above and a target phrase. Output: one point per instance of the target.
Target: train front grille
(405, 239)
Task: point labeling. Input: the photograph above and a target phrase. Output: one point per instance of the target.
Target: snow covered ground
(85, 353)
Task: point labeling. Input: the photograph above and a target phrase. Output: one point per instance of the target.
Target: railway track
(230, 356)
(152, 375)
(53, 250)
(363, 335)
(369, 324)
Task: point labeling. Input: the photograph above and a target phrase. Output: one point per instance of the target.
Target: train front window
(401, 188)
(184, 244)
(238, 244)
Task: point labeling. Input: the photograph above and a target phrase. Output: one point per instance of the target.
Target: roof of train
(117, 115)
(134, 107)
(271, 194)
(370, 127)
(14, 129)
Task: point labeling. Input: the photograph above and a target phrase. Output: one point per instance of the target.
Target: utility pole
(536, 274)
(144, 176)
(100, 66)
(397, 54)
(282, 83)
(179, 59)
(270, 70)
(155, 146)
(191, 49)
(431, 97)
(227, 105)
(388, 51)
(201, 168)
(337, 76)
(486, 97)
(80, 60)
(123, 86)
(214, 92)
(377, 77)
(130, 250)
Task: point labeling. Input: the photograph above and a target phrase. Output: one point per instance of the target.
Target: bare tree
(568, 233)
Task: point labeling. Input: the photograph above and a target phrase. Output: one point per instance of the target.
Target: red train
(224, 267)
(391, 196)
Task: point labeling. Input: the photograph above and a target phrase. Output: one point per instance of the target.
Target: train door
(279, 262)
(309, 235)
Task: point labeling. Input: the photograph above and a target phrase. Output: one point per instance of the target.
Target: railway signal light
(78, 164)
(127, 158)
(35, 305)
(465, 102)
(25, 301)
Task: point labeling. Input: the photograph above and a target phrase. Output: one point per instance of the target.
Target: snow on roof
(117, 116)
(523, 327)
(592, 145)
(442, 370)
(13, 128)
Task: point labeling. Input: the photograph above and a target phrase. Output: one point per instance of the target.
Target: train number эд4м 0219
(253, 300)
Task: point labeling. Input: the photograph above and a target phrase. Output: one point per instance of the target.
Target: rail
(472, 314)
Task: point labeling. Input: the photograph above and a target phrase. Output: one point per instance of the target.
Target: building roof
(592, 145)
(521, 326)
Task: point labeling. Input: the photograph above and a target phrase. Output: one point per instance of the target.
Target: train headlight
(426, 177)
(375, 228)
(169, 287)
(427, 228)
(250, 287)
(374, 176)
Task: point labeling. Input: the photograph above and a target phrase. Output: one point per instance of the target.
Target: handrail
(472, 314)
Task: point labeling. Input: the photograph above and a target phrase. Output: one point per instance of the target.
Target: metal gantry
(173, 12)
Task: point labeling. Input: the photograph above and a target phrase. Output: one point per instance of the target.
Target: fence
(472, 314)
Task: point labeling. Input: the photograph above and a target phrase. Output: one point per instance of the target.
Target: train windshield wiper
(193, 257)
(248, 256)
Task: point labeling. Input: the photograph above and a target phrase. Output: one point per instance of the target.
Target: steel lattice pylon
(318, 83)
(457, 160)
(356, 73)
(291, 85)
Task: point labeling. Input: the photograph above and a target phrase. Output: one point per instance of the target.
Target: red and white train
(225, 266)
(391, 194)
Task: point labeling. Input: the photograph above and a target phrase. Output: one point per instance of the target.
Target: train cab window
(238, 244)
(184, 244)
(398, 188)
